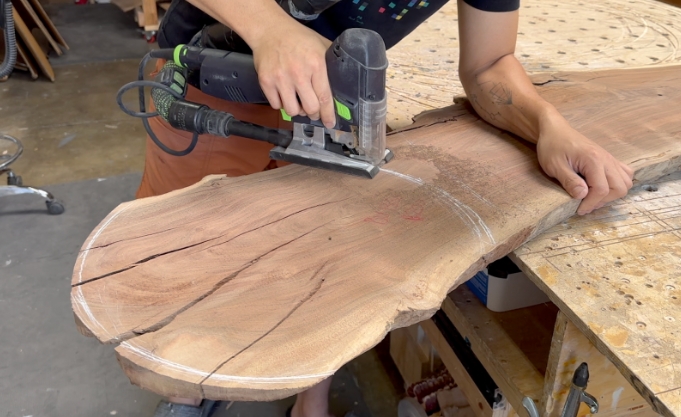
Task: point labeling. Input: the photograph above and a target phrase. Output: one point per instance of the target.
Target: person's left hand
(564, 153)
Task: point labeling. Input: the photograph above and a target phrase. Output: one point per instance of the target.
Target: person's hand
(564, 153)
(291, 66)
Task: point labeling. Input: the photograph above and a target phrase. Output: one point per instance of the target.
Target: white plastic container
(503, 287)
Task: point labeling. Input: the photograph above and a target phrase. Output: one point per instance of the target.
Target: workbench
(614, 279)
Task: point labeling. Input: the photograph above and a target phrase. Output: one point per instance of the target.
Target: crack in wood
(293, 310)
(129, 239)
(102, 276)
(138, 263)
(164, 322)
(290, 215)
(158, 255)
(660, 155)
(444, 119)
(555, 80)
(147, 259)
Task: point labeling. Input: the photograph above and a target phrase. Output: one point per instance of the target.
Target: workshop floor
(79, 145)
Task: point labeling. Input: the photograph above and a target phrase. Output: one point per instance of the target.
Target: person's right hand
(291, 67)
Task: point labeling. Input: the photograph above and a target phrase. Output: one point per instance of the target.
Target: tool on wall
(356, 63)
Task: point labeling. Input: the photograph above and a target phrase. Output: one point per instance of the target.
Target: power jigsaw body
(356, 65)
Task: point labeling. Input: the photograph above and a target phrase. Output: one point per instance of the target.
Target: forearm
(504, 96)
(251, 19)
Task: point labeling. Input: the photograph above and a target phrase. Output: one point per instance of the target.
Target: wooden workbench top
(553, 35)
(617, 274)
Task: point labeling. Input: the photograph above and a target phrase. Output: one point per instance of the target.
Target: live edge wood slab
(258, 287)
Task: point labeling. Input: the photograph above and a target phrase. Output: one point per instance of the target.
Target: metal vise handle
(576, 396)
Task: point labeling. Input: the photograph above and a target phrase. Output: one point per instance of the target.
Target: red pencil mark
(394, 206)
(380, 218)
(413, 212)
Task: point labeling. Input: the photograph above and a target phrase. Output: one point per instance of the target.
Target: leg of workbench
(569, 348)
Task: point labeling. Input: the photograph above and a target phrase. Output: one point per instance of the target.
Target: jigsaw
(356, 64)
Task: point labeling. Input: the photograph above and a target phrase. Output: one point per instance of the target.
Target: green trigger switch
(343, 110)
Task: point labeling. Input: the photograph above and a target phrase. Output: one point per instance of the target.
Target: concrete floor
(72, 130)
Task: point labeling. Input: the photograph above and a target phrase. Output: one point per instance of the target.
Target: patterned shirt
(392, 19)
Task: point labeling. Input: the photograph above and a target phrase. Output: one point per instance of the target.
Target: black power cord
(168, 93)
(142, 113)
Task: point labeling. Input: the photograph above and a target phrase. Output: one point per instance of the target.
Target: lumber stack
(36, 37)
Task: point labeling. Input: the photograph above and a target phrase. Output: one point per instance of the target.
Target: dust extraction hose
(10, 40)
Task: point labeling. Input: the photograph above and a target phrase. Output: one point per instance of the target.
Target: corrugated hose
(10, 40)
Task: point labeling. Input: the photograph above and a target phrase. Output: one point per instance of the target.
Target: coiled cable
(159, 91)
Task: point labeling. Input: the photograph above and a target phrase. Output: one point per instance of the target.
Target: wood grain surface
(620, 284)
(258, 287)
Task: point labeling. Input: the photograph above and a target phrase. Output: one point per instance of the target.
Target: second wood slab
(52, 29)
(35, 24)
(26, 36)
(256, 288)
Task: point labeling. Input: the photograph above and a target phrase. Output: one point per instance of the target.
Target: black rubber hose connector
(581, 377)
(277, 137)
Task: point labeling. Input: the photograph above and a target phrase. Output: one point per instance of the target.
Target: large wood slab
(261, 286)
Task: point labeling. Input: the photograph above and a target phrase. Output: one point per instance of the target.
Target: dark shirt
(392, 19)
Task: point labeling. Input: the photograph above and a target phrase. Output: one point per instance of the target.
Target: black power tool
(356, 64)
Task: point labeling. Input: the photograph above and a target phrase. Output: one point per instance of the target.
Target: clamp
(576, 396)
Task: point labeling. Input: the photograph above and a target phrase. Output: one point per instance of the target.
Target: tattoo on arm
(492, 116)
(501, 94)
